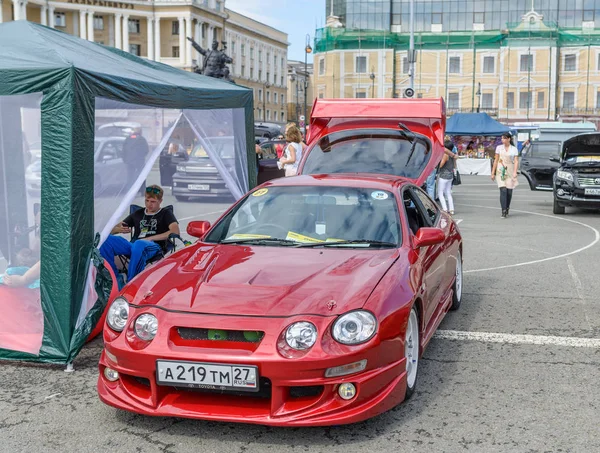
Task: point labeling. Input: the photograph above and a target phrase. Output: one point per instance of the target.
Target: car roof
(358, 180)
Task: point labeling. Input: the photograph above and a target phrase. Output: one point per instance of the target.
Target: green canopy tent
(57, 88)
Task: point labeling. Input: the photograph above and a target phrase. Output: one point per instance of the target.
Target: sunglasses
(153, 190)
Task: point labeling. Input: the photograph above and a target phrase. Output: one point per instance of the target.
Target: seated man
(152, 227)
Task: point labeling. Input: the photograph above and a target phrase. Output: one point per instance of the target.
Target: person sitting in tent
(24, 270)
(151, 229)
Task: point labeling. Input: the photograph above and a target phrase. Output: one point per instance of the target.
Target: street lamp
(478, 93)
(372, 77)
(307, 50)
(294, 78)
(266, 86)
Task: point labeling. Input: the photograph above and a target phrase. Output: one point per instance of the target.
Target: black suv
(576, 182)
(536, 164)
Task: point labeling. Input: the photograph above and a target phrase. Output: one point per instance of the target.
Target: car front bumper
(576, 198)
(294, 392)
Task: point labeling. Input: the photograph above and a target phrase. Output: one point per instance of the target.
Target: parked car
(310, 302)
(267, 164)
(110, 172)
(267, 130)
(536, 164)
(576, 182)
(117, 129)
(401, 137)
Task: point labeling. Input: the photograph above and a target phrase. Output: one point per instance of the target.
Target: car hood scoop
(263, 281)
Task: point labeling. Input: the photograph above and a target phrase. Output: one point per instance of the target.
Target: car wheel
(180, 198)
(557, 208)
(411, 352)
(458, 284)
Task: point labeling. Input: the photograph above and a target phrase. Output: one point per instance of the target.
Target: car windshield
(312, 216)
(223, 146)
(382, 151)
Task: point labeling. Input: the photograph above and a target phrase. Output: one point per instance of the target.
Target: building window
(321, 66)
(251, 53)
(361, 65)
(524, 100)
(568, 100)
(570, 62)
(268, 97)
(282, 99)
(282, 63)
(268, 76)
(60, 20)
(134, 26)
(489, 65)
(487, 101)
(282, 117)
(405, 65)
(260, 95)
(281, 81)
(268, 114)
(510, 100)
(175, 51)
(454, 65)
(479, 18)
(275, 60)
(275, 98)
(260, 56)
(453, 101)
(526, 63)
(135, 49)
(588, 15)
(260, 74)
(598, 99)
(243, 71)
(243, 48)
(541, 102)
(436, 18)
(98, 22)
(175, 27)
(269, 57)
(321, 95)
(361, 95)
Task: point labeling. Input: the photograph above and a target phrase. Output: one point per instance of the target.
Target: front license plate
(198, 187)
(592, 191)
(207, 375)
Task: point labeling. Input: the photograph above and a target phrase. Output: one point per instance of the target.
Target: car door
(111, 168)
(267, 164)
(536, 164)
(435, 254)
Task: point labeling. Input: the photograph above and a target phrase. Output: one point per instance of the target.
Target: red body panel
(241, 287)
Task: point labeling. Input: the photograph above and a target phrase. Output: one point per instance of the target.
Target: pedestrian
(445, 177)
(504, 171)
(293, 151)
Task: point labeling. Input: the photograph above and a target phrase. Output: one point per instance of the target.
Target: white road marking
(457, 221)
(507, 338)
(578, 289)
(202, 214)
(53, 395)
(527, 263)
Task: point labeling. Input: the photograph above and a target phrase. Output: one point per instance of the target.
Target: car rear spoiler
(431, 112)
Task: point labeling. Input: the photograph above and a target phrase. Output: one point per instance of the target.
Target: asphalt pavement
(516, 369)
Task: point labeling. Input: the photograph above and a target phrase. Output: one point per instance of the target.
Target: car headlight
(118, 314)
(146, 326)
(567, 176)
(354, 327)
(181, 168)
(301, 335)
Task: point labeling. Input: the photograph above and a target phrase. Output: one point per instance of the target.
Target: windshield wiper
(356, 241)
(260, 241)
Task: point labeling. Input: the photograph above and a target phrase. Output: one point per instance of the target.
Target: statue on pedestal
(215, 61)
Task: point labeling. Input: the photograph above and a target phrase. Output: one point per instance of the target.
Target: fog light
(347, 391)
(112, 375)
(560, 192)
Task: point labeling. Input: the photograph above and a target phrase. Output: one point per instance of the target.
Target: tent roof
(29, 50)
(474, 124)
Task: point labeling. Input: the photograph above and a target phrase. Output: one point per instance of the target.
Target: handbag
(456, 178)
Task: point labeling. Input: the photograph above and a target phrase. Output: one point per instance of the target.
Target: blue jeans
(430, 182)
(138, 252)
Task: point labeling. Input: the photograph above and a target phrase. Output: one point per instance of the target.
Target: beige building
(157, 30)
(532, 71)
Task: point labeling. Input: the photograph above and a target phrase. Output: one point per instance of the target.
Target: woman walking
(446, 175)
(504, 171)
(293, 151)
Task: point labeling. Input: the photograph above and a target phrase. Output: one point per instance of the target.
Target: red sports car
(309, 302)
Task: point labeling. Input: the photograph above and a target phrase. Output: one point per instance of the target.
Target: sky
(294, 17)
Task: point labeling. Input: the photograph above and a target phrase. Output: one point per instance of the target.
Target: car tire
(412, 352)
(180, 198)
(457, 288)
(557, 208)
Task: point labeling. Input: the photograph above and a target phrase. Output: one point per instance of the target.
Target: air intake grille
(242, 336)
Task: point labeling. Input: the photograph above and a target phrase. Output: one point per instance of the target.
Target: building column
(198, 39)
(51, 17)
(157, 40)
(181, 41)
(209, 36)
(82, 22)
(1, 15)
(24, 10)
(126, 32)
(43, 14)
(90, 26)
(150, 25)
(188, 43)
(16, 9)
(118, 31)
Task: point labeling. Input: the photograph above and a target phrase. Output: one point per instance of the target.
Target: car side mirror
(428, 236)
(198, 228)
(555, 159)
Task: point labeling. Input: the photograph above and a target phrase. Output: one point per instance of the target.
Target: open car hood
(262, 281)
(584, 145)
(422, 116)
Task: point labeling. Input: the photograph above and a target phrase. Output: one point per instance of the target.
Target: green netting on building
(520, 34)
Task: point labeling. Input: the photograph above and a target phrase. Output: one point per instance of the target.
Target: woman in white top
(504, 171)
(293, 151)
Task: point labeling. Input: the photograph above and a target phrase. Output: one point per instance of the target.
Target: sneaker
(504, 214)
